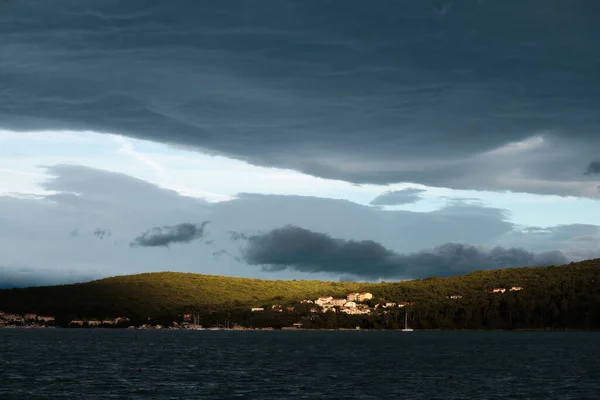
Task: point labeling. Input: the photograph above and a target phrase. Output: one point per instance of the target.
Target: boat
(406, 328)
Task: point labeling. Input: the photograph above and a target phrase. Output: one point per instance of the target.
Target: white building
(364, 296)
(323, 300)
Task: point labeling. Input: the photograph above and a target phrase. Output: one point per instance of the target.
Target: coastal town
(354, 303)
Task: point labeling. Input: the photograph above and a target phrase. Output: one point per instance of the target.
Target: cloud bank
(300, 249)
(366, 92)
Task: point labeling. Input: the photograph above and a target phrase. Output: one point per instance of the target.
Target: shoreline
(305, 329)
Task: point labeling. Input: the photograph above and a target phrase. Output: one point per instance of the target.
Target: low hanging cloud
(166, 235)
(593, 168)
(396, 197)
(299, 249)
(15, 276)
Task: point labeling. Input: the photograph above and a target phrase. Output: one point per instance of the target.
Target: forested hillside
(552, 297)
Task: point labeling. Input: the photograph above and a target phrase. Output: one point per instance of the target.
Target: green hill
(558, 296)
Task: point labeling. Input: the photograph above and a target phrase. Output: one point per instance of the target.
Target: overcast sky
(283, 139)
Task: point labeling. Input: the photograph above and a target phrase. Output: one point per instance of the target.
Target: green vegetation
(552, 297)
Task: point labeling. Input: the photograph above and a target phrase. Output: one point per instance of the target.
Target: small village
(354, 303)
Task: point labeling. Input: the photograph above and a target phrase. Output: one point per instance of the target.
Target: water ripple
(109, 364)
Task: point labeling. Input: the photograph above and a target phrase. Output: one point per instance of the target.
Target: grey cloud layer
(166, 235)
(60, 227)
(303, 250)
(354, 90)
(404, 196)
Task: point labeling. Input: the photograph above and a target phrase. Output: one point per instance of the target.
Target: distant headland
(554, 297)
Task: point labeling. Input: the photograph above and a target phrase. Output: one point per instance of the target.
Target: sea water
(114, 364)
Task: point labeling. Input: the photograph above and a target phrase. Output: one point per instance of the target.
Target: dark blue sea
(125, 364)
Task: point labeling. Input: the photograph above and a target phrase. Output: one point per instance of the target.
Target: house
(355, 311)
(289, 309)
(389, 304)
(350, 304)
(314, 310)
(30, 317)
(352, 296)
(187, 317)
(498, 290)
(323, 300)
(297, 325)
(46, 319)
(276, 306)
(109, 321)
(277, 309)
(403, 304)
(328, 307)
(306, 301)
(93, 322)
(515, 288)
(455, 297)
(338, 302)
(77, 322)
(364, 296)
(255, 309)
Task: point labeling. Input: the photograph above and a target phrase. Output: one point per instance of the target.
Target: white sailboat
(406, 328)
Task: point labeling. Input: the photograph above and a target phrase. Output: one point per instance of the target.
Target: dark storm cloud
(404, 196)
(593, 168)
(166, 235)
(372, 92)
(303, 250)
